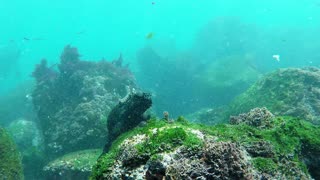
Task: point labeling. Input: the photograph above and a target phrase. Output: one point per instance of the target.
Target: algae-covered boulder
(292, 91)
(29, 141)
(25, 133)
(181, 150)
(72, 100)
(10, 161)
(75, 165)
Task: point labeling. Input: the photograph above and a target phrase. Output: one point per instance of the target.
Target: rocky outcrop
(244, 150)
(292, 91)
(73, 100)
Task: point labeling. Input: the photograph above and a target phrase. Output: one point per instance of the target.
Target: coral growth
(257, 117)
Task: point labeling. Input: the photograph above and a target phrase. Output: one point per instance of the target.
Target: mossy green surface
(10, 161)
(77, 161)
(286, 135)
(291, 91)
(172, 136)
(266, 165)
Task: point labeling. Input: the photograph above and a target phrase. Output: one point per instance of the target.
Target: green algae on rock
(76, 165)
(291, 91)
(185, 150)
(10, 161)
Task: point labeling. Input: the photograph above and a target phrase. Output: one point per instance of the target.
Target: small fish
(153, 3)
(276, 57)
(26, 39)
(150, 35)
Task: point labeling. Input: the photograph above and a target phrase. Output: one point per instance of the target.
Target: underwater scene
(159, 90)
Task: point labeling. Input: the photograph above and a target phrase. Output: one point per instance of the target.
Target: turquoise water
(102, 28)
(190, 54)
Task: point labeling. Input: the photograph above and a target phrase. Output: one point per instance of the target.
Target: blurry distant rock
(127, 115)
(73, 102)
(9, 59)
(181, 150)
(227, 77)
(76, 165)
(25, 133)
(30, 144)
(182, 84)
(292, 91)
(223, 36)
(169, 80)
(209, 116)
(10, 161)
(16, 103)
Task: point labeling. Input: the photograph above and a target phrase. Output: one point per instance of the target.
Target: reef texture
(127, 115)
(76, 165)
(288, 148)
(257, 117)
(73, 100)
(10, 161)
(292, 91)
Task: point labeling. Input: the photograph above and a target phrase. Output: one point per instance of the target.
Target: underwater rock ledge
(181, 150)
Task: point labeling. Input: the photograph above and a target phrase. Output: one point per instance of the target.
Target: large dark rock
(127, 115)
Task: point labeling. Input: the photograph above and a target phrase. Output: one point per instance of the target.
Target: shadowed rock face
(127, 115)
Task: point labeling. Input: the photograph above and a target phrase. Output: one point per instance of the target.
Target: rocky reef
(73, 99)
(291, 91)
(272, 148)
(10, 160)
